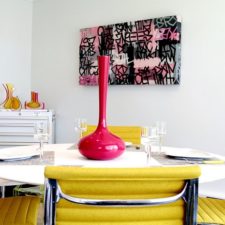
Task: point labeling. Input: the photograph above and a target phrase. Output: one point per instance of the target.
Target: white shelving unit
(18, 127)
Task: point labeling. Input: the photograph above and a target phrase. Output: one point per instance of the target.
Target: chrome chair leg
(2, 188)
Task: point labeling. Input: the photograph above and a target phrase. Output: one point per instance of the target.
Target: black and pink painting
(143, 52)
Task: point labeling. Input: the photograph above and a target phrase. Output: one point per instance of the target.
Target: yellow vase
(11, 102)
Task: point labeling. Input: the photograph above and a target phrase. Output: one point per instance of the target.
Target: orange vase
(34, 102)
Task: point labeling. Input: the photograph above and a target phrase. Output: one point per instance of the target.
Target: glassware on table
(161, 131)
(149, 136)
(80, 126)
(41, 133)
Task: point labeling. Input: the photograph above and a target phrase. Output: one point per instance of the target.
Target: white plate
(13, 154)
(188, 153)
(11, 159)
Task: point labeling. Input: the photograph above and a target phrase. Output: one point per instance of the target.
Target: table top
(32, 170)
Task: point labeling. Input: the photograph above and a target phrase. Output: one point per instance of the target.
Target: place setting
(12, 154)
(152, 141)
(25, 155)
(193, 156)
(32, 154)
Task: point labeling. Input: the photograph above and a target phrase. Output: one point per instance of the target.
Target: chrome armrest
(119, 202)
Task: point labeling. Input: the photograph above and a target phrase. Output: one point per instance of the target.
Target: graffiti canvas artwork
(143, 52)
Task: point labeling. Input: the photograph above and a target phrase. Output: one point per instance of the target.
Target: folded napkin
(214, 161)
(170, 160)
(200, 160)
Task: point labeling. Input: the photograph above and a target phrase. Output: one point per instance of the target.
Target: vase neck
(103, 68)
(34, 96)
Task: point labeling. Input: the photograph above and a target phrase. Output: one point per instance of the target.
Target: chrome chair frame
(53, 194)
(2, 190)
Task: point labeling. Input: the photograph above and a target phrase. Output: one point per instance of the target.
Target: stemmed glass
(149, 136)
(42, 135)
(80, 126)
(161, 131)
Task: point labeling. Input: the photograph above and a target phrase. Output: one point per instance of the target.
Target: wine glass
(42, 135)
(149, 136)
(161, 131)
(80, 126)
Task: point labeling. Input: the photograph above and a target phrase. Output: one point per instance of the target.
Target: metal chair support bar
(119, 202)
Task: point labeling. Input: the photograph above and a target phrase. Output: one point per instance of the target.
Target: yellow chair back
(121, 183)
(126, 133)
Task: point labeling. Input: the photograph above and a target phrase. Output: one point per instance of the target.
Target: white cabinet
(18, 127)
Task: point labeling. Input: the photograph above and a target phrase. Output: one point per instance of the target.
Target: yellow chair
(121, 196)
(127, 133)
(211, 211)
(21, 210)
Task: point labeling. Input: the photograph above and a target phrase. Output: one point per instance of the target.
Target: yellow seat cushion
(21, 210)
(211, 210)
(127, 133)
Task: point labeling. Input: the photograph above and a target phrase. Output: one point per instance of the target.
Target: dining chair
(211, 211)
(121, 196)
(21, 210)
(127, 133)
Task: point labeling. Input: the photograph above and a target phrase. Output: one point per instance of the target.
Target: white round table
(66, 154)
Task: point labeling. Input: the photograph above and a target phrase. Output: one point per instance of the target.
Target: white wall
(194, 110)
(15, 46)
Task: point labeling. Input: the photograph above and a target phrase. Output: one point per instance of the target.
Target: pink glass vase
(101, 144)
